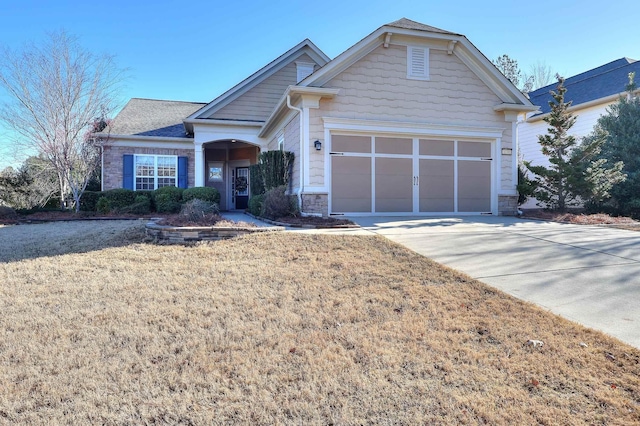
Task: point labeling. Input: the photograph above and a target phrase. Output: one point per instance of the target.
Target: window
(155, 171)
(417, 63)
(281, 143)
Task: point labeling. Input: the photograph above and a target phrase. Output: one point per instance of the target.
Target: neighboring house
(590, 92)
(412, 119)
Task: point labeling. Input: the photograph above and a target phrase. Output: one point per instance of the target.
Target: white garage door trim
(415, 132)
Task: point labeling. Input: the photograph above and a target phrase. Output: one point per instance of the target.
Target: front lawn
(287, 328)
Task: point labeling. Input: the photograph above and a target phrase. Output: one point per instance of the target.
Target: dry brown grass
(291, 329)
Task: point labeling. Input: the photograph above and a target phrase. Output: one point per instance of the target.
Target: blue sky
(196, 50)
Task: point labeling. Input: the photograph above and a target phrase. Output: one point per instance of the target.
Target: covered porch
(224, 165)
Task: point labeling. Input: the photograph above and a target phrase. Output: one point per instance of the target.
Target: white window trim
(411, 73)
(281, 143)
(155, 170)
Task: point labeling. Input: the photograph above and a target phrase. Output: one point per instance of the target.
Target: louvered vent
(304, 69)
(418, 62)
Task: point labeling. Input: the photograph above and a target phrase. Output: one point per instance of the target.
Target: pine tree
(574, 175)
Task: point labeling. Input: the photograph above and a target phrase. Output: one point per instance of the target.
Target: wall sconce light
(318, 145)
(507, 151)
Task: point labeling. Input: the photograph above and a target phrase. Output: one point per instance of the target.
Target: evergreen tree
(619, 133)
(575, 174)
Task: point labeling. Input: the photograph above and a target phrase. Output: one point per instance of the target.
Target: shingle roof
(153, 117)
(408, 24)
(605, 80)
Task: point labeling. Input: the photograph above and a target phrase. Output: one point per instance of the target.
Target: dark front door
(241, 187)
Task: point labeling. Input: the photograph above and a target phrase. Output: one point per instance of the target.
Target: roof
(153, 117)
(408, 24)
(600, 82)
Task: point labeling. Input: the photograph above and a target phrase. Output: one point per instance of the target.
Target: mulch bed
(317, 222)
(579, 218)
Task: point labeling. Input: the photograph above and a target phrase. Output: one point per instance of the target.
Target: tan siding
(292, 144)
(377, 88)
(259, 102)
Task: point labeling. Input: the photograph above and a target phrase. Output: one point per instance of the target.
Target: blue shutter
(183, 163)
(127, 171)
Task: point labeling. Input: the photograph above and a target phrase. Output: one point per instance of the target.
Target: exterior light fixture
(507, 151)
(318, 145)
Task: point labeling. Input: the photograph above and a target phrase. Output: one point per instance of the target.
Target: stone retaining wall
(183, 234)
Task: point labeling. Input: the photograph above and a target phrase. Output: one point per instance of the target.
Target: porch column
(198, 167)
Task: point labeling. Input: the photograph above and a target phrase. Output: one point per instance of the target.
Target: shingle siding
(377, 88)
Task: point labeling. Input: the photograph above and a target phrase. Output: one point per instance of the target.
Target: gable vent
(418, 63)
(304, 69)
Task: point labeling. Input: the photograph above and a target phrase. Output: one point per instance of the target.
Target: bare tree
(509, 67)
(58, 91)
(540, 74)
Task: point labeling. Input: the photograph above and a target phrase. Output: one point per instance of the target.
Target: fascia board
(489, 74)
(214, 122)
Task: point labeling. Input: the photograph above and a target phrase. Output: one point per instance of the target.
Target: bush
(7, 213)
(197, 209)
(277, 204)
(168, 199)
(151, 195)
(204, 193)
(120, 197)
(142, 205)
(103, 205)
(255, 205)
(256, 181)
(89, 200)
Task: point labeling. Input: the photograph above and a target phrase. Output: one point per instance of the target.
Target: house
(590, 92)
(410, 120)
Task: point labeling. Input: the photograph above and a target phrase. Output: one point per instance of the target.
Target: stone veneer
(112, 162)
(507, 205)
(183, 234)
(315, 204)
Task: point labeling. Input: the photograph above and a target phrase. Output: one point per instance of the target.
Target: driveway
(587, 274)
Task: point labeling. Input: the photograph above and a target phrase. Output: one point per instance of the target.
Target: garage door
(375, 174)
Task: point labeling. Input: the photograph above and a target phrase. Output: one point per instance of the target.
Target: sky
(196, 50)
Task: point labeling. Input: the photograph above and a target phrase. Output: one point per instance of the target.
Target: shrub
(89, 200)
(151, 195)
(204, 193)
(142, 205)
(168, 199)
(277, 204)
(120, 197)
(255, 205)
(103, 205)
(7, 213)
(257, 183)
(197, 209)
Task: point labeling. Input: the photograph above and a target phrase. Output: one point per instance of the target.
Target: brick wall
(112, 157)
(507, 205)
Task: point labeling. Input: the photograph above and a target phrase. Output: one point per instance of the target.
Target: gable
(379, 85)
(258, 102)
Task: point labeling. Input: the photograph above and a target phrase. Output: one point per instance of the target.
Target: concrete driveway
(587, 274)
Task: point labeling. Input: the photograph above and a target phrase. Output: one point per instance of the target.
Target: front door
(240, 187)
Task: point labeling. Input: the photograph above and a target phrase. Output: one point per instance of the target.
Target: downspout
(300, 171)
